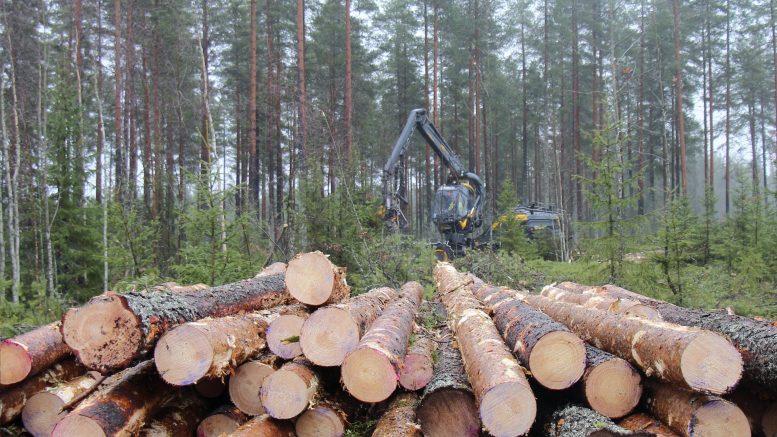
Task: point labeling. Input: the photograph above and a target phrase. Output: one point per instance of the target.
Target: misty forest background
(145, 140)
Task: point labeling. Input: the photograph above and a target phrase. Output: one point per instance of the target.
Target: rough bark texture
(693, 358)
(12, 399)
(176, 288)
(44, 409)
(223, 420)
(554, 355)
(264, 426)
(596, 297)
(211, 348)
(611, 386)
(574, 421)
(399, 420)
(332, 332)
(505, 401)
(418, 366)
(178, 418)
(121, 406)
(109, 343)
(447, 406)
(283, 333)
(755, 339)
(643, 422)
(313, 280)
(371, 372)
(694, 414)
(30, 353)
(289, 391)
(245, 385)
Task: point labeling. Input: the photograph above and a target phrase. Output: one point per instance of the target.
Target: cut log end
(449, 413)
(311, 278)
(368, 375)
(328, 335)
(319, 421)
(74, 424)
(558, 360)
(613, 388)
(283, 336)
(15, 363)
(246, 384)
(41, 413)
(718, 375)
(417, 371)
(719, 418)
(104, 334)
(183, 356)
(285, 394)
(216, 425)
(508, 409)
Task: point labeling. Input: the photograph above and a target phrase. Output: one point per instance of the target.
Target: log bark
(447, 406)
(291, 389)
(245, 385)
(693, 358)
(330, 333)
(176, 288)
(178, 418)
(283, 333)
(276, 268)
(211, 348)
(611, 386)
(371, 372)
(328, 418)
(44, 409)
(313, 280)
(399, 420)
(30, 353)
(761, 413)
(418, 365)
(554, 355)
(693, 414)
(264, 426)
(574, 421)
(643, 422)
(223, 420)
(506, 404)
(596, 297)
(111, 331)
(756, 340)
(13, 399)
(122, 404)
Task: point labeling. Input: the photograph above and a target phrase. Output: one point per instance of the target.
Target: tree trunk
(447, 406)
(12, 400)
(45, 409)
(291, 389)
(245, 384)
(727, 73)
(117, 120)
(693, 414)
(371, 372)
(755, 338)
(264, 426)
(126, 401)
(505, 401)
(205, 132)
(178, 418)
(313, 280)
(554, 355)
(663, 350)
(334, 331)
(283, 333)
(30, 353)
(301, 85)
(223, 420)
(253, 165)
(348, 94)
(130, 324)
(596, 297)
(399, 420)
(11, 159)
(643, 422)
(574, 421)
(678, 83)
(611, 386)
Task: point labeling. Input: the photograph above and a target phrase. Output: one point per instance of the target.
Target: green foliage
(680, 241)
(509, 231)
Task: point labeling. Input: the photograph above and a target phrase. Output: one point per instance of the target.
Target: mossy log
(30, 353)
(13, 399)
(576, 421)
(111, 331)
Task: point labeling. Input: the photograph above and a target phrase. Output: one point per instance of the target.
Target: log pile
(290, 352)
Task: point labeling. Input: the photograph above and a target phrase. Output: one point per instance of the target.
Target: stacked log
(44, 409)
(112, 330)
(418, 364)
(30, 353)
(506, 404)
(330, 333)
(329, 417)
(287, 392)
(245, 386)
(572, 421)
(399, 420)
(178, 418)
(13, 399)
(283, 333)
(643, 422)
(611, 386)
(223, 420)
(264, 426)
(371, 372)
(598, 298)
(313, 280)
